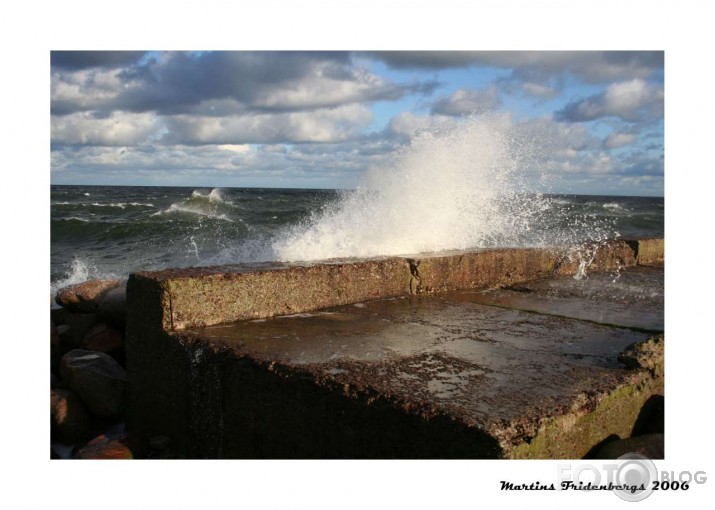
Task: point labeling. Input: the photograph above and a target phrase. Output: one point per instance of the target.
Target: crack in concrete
(415, 281)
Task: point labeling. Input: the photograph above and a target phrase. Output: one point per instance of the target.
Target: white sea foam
(121, 205)
(611, 205)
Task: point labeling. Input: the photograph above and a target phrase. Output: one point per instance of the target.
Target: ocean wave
(215, 195)
(205, 204)
(121, 205)
(74, 218)
(612, 205)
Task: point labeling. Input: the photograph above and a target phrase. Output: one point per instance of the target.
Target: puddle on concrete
(454, 351)
(633, 298)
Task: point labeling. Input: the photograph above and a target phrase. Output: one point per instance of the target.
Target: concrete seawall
(196, 297)
(233, 392)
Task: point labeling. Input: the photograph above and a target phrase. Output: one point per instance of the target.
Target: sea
(112, 231)
(478, 185)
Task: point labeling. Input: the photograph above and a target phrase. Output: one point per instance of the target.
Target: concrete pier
(485, 354)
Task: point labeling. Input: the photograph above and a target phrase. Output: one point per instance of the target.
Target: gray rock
(75, 328)
(85, 297)
(651, 418)
(55, 348)
(69, 418)
(113, 308)
(98, 380)
(650, 445)
(58, 314)
(103, 338)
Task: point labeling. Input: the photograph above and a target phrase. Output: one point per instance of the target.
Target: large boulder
(85, 297)
(110, 446)
(650, 445)
(651, 418)
(69, 418)
(113, 308)
(97, 378)
(57, 315)
(106, 339)
(75, 328)
(55, 348)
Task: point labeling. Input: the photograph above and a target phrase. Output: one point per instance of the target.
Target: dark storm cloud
(214, 83)
(74, 60)
(535, 66)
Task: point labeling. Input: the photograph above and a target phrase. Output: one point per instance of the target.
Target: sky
(321, 119)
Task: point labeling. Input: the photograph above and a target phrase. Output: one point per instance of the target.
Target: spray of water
(479, 184)
(467, 187)
(449, 190)
(79, 270)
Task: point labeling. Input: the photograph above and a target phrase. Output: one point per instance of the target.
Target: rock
(85, 297)
(69, 418)
(58, 315)
(646, 355)
(109, 446)
(97, 378)
(54, 334)
(651, 418)
(159, 443)
(650, 445)
(76, 326)
(55, 347)
(113, 308)
(103, 338)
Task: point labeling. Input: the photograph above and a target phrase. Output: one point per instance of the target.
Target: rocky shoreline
(89, 383)
(88, 379)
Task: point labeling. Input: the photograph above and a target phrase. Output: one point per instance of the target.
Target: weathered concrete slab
(648, 251)
(195, 297)
(203, 296)
(631, 298)
(412, 369)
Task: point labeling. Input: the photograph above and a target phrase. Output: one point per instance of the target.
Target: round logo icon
(635, 471)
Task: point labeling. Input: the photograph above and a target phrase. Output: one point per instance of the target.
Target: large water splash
(455, 189)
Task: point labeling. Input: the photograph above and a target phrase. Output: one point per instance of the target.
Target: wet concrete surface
(630, 298)
(530, 356)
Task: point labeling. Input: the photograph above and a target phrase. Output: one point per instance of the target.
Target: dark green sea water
(113, 230)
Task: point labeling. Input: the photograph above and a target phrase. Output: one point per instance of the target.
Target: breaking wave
(211, 204)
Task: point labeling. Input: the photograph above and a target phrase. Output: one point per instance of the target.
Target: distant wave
(74, 218)
(207, 204)
(121, 205)
(215, 195)
(612, 205)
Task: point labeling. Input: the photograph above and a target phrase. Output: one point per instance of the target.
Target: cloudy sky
(320, 119)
